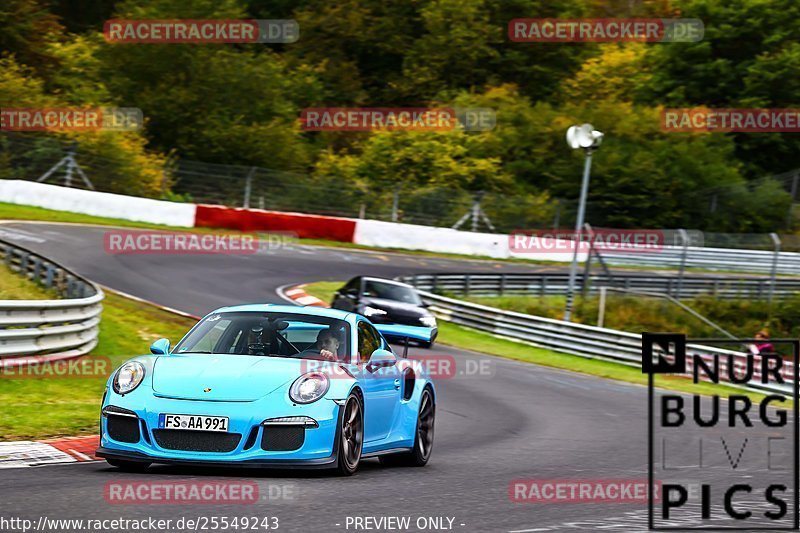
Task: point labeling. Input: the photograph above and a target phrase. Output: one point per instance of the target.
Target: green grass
(478, 341)
(324, 289)
(16, 287)
(637, 313)
(549, 306)
(36, 408)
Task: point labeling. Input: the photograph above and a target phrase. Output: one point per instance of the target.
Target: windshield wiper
(193, 352)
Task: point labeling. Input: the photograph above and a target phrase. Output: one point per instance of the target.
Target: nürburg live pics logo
(725, 454)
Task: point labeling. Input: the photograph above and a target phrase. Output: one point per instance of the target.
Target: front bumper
(138, 457)
(316, 448)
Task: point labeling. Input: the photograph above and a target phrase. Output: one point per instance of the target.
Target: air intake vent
(282, 438)
(123, 428)
(251, 438)
(196, 441)
(145, 434)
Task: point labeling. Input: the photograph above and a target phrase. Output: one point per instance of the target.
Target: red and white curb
(66, 449)
(44, 452)
(23, 454)
(298, 295)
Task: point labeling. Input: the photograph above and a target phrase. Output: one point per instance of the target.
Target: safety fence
(770, 253)
(761, 261)
(764, 254)
(556, 283)
(47, 330)
(50, 159)
(579, 339)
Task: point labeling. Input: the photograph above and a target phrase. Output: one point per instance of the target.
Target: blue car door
(381, 386)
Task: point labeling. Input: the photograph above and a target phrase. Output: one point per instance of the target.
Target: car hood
(395, 307)
(225, 377)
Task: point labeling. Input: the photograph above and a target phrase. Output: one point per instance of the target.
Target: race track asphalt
(518, 421)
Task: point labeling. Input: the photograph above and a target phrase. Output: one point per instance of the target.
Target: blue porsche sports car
(270, 386)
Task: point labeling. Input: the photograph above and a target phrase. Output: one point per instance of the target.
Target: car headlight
(429, 321)
(309, 387)
(371, 311)
(128, 377)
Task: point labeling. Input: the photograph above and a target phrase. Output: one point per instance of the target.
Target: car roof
(279, 308)
(388, 281)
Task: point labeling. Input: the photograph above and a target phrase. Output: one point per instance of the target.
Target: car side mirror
(381, 359)
(352, 293)
(160, 347)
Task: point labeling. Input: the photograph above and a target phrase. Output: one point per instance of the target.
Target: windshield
(391, 291)
(269, 334)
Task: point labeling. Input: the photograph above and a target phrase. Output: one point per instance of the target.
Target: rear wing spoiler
(400, 332)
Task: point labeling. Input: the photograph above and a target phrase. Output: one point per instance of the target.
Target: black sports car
(395, 306)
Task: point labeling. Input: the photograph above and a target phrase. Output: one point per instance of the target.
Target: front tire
(423, 441)
(128, 466)
(351, 436)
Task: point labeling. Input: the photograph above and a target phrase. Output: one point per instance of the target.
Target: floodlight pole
(573, 269)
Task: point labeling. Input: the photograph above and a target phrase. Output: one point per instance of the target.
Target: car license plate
(193, 422)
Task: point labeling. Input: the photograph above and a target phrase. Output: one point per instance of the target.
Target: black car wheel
(351, 436)
(423, 442)
(128, 466)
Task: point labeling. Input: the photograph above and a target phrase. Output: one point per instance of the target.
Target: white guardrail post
(47, 330)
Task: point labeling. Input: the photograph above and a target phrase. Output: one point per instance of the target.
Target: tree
(617, 73)
(748, 57)
(435, 173)
(114, 161)
(449, 55)
(642, 176)
(221, 104)
(357, 48)
(28, 29)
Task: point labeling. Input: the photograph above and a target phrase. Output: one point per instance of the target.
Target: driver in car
(326, 347)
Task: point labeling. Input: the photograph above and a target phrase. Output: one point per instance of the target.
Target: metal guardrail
(47, 329)
(555, 283)
(568, 337)
(730, 259)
